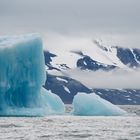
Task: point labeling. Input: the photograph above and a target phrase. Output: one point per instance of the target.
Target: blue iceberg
(22, 75)
(53, 102)
(93, 105)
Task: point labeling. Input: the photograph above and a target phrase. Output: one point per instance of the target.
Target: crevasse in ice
(22, 75)
(93, 105)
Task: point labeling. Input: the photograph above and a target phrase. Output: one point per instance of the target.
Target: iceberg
(53, 102)
(22, 75)
(93, 105)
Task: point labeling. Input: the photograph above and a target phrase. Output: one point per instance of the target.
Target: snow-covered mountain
(95, 56)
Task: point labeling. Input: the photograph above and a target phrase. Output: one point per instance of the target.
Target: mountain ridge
(93, 58)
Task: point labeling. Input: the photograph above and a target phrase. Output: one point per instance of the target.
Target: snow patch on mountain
(66, 57)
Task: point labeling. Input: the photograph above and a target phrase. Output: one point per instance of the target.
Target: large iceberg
(22, 75)
(93, 105)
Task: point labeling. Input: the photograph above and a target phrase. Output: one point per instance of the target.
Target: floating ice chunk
(93, 105)
(53, 102)
(22, 75)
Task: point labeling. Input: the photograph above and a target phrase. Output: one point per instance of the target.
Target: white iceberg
(93, 105)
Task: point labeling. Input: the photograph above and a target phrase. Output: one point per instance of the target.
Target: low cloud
(115, 79)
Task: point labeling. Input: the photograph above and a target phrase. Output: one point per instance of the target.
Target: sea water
(69, 127)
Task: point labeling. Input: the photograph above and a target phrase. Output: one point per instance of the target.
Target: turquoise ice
(93, 105)
(22, 75)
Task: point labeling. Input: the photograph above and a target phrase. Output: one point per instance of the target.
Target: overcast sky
(115, 20)
(72, 17)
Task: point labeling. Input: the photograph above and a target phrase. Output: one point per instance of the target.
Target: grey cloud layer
(70, 16)
(112, 80)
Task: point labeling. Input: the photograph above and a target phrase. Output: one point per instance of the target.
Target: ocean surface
(68, 127)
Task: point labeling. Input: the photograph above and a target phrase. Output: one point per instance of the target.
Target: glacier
(93, 105)
(22, 75)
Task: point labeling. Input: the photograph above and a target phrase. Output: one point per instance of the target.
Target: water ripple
(71, 128)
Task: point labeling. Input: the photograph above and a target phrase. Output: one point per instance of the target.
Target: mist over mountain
(92, 65)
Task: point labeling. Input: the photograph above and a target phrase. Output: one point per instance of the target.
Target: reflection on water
(72, 127)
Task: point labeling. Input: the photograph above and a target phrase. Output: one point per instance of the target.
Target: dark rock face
(120, 96)
(129, 57)
(48, 57)
(87, 63)
(137, 54)
(65, 87)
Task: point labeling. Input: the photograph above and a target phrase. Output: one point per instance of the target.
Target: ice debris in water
(22, 75)
(93, 105)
